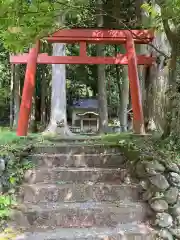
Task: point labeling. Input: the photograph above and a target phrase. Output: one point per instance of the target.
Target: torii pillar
(28, 91)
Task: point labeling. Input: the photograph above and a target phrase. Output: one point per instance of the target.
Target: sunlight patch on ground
(9, 234)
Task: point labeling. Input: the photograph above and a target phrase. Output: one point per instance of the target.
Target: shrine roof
(85, 103)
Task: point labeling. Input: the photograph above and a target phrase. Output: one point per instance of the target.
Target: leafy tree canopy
(22, 22)
(165, 15)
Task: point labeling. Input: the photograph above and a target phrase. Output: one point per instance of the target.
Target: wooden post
(138, 118)
(28, 91)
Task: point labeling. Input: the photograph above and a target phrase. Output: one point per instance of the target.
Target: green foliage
(145, 147)
(23, 22)
(6, 202)
(12, 150)
(23, 25)
(154, 14)
(7, 139)
(163, 11)
(15, 169)
(4, 83)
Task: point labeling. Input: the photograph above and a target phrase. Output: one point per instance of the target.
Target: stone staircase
(80, 192)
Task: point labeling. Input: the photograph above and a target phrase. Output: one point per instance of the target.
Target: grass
(116, 137)
(167, 149)
(8, 138)
(142, 142)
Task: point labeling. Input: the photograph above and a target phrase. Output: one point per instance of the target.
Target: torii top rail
(84, 36)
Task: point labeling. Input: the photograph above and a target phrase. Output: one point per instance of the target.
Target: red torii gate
(84, 36)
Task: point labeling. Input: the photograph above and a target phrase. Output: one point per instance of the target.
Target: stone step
(89, 214)
(36, 193)
(64, 175)
(73, 139)
(122, 232)
(76, 149)
(79, 160)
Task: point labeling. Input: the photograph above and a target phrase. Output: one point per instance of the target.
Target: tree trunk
(157, 86)
(124, 100)
(172, 124)
(32, 120)
(143, 71)
(149, 103)
(58, 120)
(154, 80)
(17, 94)
(102, 93)
(11, 96)
(175, 97)
(43, 100)
(123, 85)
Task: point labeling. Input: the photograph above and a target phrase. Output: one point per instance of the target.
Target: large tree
(58, 117)
(166, 16)
(101, 68)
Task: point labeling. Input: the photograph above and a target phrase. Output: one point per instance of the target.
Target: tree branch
(150, 44)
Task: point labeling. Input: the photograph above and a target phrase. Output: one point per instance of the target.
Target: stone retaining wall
(160, 181)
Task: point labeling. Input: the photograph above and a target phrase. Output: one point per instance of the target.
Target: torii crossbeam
(84, 36)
